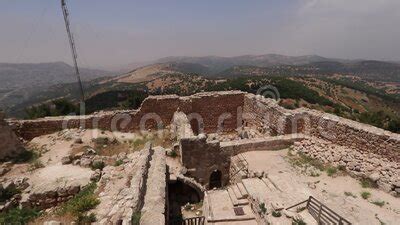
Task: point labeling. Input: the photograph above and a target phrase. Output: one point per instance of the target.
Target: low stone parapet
(153, 211)
(260, 144)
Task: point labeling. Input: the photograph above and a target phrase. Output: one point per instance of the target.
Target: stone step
(242, 202)
(235, 200)
(242, 190)
(220, 204)
(237, 192)
(232, 196)
(269, 184)
(256, 188)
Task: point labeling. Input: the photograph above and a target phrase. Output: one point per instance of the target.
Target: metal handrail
(321, 212)
(194, 221)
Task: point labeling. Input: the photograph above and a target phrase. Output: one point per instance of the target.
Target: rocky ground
(62, 164)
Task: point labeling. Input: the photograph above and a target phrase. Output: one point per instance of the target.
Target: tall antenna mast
(73, 49)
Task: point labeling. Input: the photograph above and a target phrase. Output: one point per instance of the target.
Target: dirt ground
(341, 193)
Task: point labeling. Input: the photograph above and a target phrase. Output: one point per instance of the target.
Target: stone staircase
(239, 169)
(219, 206)
(238, 194)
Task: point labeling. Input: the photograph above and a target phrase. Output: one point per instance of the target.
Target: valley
(365, 91)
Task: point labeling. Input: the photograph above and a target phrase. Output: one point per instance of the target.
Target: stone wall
(260, 144)
(385, 173)
(54, 196)
(345, 132)
(153, 211)
(198, 155)
(10, 145)
(265, 115)
(214, 109)
(201, 158)
(259, 112)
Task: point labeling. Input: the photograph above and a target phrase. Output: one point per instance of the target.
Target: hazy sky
(111, 33)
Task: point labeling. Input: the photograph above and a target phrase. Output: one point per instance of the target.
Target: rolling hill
(19, 82)
(216, 64)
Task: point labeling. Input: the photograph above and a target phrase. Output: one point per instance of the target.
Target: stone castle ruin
(211, 132)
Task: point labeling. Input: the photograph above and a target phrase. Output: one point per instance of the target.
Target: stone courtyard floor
(287, 186)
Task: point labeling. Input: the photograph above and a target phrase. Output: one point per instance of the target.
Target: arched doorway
(179, 195)
(215, 179)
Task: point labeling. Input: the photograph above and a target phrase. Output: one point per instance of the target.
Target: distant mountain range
(42, 74)
(20, 81)
(216, 64)
(23, 85)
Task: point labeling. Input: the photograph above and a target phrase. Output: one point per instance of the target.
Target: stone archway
(215, 179)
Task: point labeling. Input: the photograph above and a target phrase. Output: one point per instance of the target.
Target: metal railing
(321, 213)
(194, 221)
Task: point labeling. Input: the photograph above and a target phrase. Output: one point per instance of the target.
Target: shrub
(379, 203)
(276, 214)
(81, 203)
(365, 195)
(350, 194)
(342, 168)
(86, 219)
(173, 154)
(36, 164)
(18, 216)
(26, 156)
(118, 162)
(331, 171)
(301, 209)
(368, 183)
(57, 107)
(299, 222)
(139, 143)
(8, 193)
(136, 218)
(303, 159)
(98, 165)
(100, 141)
(263, 209)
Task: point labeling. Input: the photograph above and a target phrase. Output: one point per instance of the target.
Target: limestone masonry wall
(153, 211)
(228, 110)
(261, 112)
(260, 144)
(156, 111)
(337, 130)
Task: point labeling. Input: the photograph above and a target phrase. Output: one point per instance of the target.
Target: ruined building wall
(202, 158)
(260, 144)
(210, 106)
(199, 156)
(265, 114)
(258, 111)
(345, 132)
(10, 145)
(232, 108)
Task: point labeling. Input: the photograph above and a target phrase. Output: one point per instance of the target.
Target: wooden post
(308, 202)
(319, 214)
